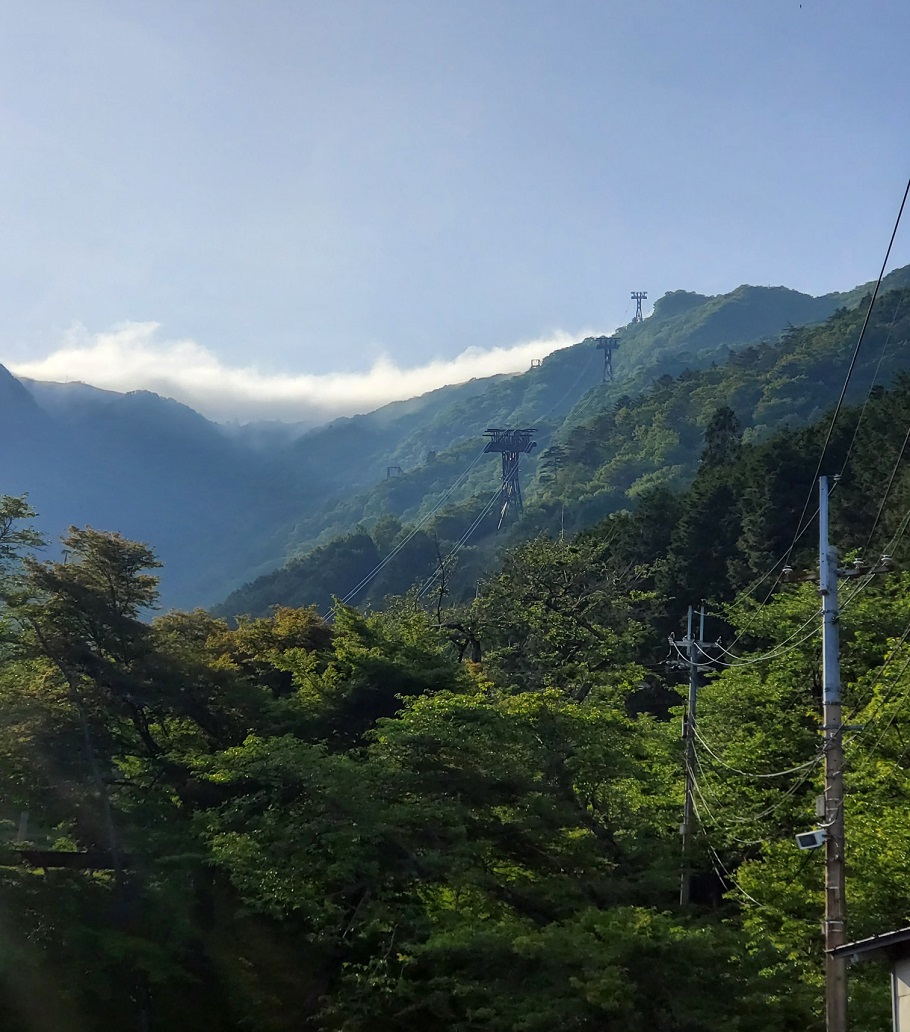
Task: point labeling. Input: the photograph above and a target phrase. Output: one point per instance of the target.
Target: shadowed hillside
(224, 504)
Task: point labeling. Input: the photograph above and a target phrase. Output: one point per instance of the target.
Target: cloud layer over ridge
(131, 357)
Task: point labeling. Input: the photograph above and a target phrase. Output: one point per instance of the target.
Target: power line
(852, 366)
(779, 802)
(749, 623)
(801, 527)
(884, 500)
(693, 776)
(878, 367)
(752, 774)
(719, 865)
(778, 651)
(889, 694)
(746, 592)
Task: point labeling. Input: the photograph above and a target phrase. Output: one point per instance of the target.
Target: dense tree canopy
(460, 812)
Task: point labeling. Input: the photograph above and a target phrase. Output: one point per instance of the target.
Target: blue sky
(318, 190)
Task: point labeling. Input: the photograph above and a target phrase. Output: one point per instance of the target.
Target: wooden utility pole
(835, 895)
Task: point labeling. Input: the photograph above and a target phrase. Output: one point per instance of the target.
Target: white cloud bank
(130, 357)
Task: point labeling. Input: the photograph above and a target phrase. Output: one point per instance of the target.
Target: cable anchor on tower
(512, 444)
(607, 345)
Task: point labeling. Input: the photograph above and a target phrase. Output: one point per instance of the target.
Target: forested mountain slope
(685, 332)
(464, 817)
(150, 467)
(626, 447)
(226, 503)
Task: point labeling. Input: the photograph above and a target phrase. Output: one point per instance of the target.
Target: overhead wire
(425, 518)
(717, 822)
(776, 652)
(783, 797)
(887, 493)
(802, 524)
(889, 693)
(872, 722)
(753, 774)
(809, 765)
(898, 764)
(801, 530)
(746, 592)
(853, 360)
(578, 380)
(406, 540)
(467, 534)
(718, 864)
(750, 622)
(874, 381)
(899, 533)
(440, 569)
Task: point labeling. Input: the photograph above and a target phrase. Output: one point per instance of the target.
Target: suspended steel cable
(749, 623)
(581, 375)
(719, 865)
(427, 516)
(889, 694)
(414, 530)
(899, 533)
(855, 709)
(461, 542)
(777, 651)
(467, 534)
(694, 777)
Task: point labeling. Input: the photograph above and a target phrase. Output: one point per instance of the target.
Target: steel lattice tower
(512, 444)
(638, 296)
(607, 345)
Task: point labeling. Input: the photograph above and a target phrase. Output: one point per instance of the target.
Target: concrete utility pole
(694, 653)
(835, 894)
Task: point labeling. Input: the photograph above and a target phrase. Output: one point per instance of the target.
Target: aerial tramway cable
(417, 526)
(467, 534)
(460, 544)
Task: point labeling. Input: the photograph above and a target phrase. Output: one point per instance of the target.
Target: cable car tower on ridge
(512, 444)
(607, 345)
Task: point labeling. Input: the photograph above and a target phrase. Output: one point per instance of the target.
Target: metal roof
(888, 942)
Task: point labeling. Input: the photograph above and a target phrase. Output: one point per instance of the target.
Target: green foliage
(16, 540)
(602, 447)
(464, 815)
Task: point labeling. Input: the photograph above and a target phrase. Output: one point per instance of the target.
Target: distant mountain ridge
(222, 504)
(604, 458)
